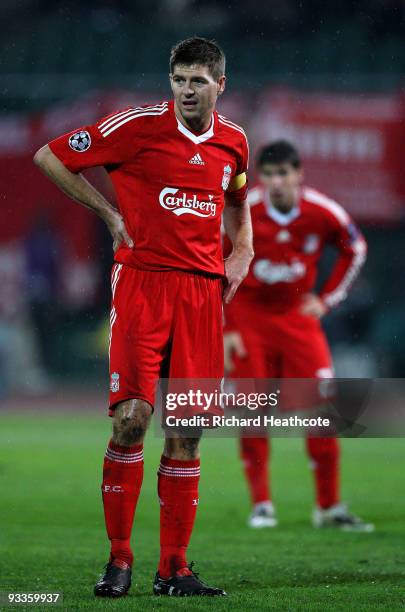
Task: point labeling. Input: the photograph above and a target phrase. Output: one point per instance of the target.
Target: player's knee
(131, 421)
(185, 449)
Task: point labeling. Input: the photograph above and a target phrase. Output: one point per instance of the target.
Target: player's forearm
(238, 227)
(343, 275)
(74, 185)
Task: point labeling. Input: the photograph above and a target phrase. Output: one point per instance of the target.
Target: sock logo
(112, 489)
(196, 502)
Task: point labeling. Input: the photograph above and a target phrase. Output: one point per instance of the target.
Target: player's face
(282, 181)
(195, 92)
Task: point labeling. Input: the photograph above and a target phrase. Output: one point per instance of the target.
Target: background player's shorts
(288, 346)
(282, 345)
(164, 324)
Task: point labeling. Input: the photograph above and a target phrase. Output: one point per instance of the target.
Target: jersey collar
(277, 216)
(196, 138)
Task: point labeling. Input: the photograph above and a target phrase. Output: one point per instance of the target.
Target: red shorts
(164, 324)
(289, 346)
(282, 345)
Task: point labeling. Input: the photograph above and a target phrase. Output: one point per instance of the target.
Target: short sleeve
(110, 141)
(243, 157)
(238, 185)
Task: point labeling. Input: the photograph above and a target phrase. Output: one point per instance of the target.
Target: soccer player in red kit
(177, 168)
(284, 339)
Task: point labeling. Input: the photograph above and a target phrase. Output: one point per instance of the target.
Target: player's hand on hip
(233, 345)
(313, 306)
(118, 231)
(236, 269)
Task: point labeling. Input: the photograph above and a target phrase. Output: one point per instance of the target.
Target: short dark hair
(279, 152)
(199, 51)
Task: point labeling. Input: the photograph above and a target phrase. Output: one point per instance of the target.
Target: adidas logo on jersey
(283, 236)
(197, 160)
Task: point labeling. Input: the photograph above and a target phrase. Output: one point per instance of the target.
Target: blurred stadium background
(328, 76)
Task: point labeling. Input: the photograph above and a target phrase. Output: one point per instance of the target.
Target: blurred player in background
(173, 165)
(284, 339)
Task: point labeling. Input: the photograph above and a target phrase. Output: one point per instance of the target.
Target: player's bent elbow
(41, 156)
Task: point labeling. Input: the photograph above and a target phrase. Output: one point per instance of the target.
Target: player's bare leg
(131, 421)
(182, 448)
(122, 481)
(178, 478)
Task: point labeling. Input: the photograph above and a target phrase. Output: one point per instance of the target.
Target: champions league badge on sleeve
(226, 177)
(80, 141)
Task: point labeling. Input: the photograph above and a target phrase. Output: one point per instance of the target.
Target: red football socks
(324, 453)
(178, 497)
(255, 457)
(122, 481)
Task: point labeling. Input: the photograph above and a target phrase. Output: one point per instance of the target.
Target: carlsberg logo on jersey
(182, 203)
(269, 272)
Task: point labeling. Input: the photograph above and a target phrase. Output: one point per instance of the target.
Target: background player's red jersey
(288, 248)
(169, 181)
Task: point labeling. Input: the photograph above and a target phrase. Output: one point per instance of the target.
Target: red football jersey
(169, 181)
(287, 251)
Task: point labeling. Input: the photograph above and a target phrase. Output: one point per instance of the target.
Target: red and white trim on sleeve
(115, 121)
(336, 296)
(231, 124)
(238, 128)
(315, 197)
(351, 259)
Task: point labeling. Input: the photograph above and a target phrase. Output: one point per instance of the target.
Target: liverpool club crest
(226, 177)
(115, 382)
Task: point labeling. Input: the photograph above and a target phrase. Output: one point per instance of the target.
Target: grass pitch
(52, 533)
